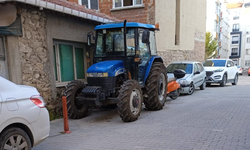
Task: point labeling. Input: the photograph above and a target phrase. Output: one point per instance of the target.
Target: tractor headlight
(105, 74)
(90, 74)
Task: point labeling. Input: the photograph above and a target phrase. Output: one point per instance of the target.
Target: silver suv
(221, 71)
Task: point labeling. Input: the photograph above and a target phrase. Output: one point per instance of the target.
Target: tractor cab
(135, 50)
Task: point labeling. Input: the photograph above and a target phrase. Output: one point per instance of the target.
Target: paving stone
(211, 119)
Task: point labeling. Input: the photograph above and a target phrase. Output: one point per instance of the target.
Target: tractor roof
(128, 24)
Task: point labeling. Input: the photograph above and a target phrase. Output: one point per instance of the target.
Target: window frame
(89, 4)
(57, 70)
(122, 6)
(237, 49)
(234, 42)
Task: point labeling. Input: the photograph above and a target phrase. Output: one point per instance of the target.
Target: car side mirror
(197, 72)
(228, 65)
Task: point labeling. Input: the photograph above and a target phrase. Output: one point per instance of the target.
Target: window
(236, 27)
(2, 53)
(68, 61)
(248, 40)
(247, 63)
(247, 51)
(196, 68)
(143, 47)
(235, 39)
(188, 68)
(91, 4)
(234, 52)
(200, 67)
(152, 41)
(125, 3)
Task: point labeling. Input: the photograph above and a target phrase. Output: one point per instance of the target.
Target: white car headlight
(218, 70)
(183, 82)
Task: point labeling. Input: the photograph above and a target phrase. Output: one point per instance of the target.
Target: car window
(228, 64)
(214, 63)
(232, 63)
(200, 67)
(196, 68)
(188, 68)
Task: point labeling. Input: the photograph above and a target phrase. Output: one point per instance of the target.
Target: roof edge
(62, 9)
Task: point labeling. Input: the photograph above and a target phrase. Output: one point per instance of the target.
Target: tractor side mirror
(89, 39)
(145, 36)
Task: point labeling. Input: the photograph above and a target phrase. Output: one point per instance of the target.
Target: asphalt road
(214, 119)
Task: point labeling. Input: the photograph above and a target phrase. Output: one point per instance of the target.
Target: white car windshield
(214, 63)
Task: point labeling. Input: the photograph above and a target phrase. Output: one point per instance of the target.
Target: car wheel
(235, 80)
(191, 89)
(248, 74)
(203, 86)
(15, 138)
(224, 80)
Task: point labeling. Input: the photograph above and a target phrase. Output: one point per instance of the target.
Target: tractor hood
(112, 67)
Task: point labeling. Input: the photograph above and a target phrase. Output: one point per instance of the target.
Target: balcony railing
(235, 30)
(235, 42)
(234, 54)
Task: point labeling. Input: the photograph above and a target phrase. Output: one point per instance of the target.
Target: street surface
(214, 119)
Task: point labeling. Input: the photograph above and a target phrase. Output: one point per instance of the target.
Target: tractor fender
(150, 63)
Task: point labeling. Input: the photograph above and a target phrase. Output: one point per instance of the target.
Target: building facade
(218, 23)
(182, 28)
(240, 33)
(44, 44)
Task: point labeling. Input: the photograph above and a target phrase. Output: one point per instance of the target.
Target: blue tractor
(126, 72)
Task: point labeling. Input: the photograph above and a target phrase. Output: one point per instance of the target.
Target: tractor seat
(171, 79)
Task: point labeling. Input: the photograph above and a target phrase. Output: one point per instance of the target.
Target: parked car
(221, 71)
(24, 120)
(248, 71)
(239, 70)
(195, 76)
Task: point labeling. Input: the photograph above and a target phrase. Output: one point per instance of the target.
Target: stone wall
(196, 54)
(34, 54)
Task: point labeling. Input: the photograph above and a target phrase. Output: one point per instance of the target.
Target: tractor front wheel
(130, 101)
(73, 90)
(156, 87)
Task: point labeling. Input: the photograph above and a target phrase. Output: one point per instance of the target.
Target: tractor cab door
(144, 56)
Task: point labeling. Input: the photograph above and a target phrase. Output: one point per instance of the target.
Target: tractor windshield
(110, 42)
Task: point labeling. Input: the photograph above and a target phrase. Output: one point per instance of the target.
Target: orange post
(65, 115)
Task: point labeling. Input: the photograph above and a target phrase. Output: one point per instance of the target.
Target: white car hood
(212, 68)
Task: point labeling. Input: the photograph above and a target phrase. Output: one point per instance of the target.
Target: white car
(24, 120)
(221, 71)
(195, 76)
(240, 70)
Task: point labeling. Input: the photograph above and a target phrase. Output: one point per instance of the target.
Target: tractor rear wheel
(75, 110)
(130, 101)
(156, 87)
